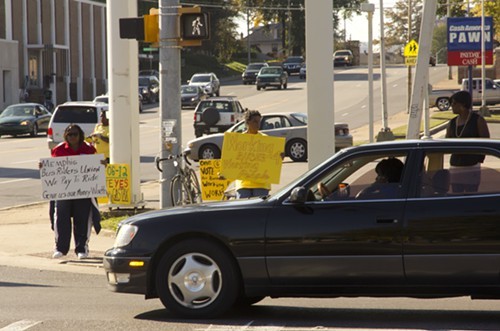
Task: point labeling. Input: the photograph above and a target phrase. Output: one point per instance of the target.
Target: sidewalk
(26, 239)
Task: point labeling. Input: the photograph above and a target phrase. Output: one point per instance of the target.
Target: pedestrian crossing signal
(195, 26)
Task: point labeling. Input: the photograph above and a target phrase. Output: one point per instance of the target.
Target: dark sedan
(434, 231)
(191, 95)
(272, 76)
(24, 118)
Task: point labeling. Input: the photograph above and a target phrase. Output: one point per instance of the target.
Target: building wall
(9, 79)
(60, 47)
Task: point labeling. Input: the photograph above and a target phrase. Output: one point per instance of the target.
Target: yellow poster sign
(212, 187)
(252, 157)
(411, 49)
(118, 183)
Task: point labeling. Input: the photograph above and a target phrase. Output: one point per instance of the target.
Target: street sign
(411, 60)
(411, 49)
(464, 41)
(150, 49)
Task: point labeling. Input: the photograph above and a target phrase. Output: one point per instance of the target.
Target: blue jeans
(243, 193)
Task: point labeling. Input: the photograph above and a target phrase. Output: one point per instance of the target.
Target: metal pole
(484, 109)
(409, 39)
(248, 33)
(170, 103)
(469, 68)
(370, 8)
(448, 12)
(385, 133)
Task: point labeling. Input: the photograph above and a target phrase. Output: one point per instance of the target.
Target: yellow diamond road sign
(411, 49)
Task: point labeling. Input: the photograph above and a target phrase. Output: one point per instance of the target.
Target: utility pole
(448, 13)
(170, 103)
(370, 8)
(409, 39)
(385, 133)
(484, 109)
(248, 33)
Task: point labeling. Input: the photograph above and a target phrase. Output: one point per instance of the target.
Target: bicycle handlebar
(170, 157)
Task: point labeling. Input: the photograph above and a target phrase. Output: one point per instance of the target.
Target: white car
(291, 126)
(105, 99)
(208, 82)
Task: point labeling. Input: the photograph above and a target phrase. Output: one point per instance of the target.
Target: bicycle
(184, 186)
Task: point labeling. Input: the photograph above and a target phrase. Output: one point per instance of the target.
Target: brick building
(55, 45)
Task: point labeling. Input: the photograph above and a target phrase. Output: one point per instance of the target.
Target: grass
(111, 219)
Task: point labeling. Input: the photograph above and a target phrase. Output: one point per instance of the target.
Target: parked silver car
(292, 126)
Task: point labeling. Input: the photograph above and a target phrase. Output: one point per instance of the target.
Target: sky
(357, 26)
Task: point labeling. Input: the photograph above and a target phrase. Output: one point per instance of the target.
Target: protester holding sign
(84, 212)
(100, 137)
(248, 188)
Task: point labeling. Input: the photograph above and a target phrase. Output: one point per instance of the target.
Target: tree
(491, 8)
(396, 26)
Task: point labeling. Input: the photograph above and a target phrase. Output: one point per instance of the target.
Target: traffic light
(151, 28)
(195, 26)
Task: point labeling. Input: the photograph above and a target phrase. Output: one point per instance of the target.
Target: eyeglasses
(73, 134)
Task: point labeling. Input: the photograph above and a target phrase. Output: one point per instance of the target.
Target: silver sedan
(292, 126)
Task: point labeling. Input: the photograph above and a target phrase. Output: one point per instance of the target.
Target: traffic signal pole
(170, 102)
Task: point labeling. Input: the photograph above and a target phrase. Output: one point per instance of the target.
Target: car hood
(189, 95)
(193, 210)
(15, 119)
(251, 71)
(200, 84)
(269, 75)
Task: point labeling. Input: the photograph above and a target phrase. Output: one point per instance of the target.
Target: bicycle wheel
(194, 186)
(179, 192)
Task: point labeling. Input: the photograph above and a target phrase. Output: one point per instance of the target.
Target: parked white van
(85, 114)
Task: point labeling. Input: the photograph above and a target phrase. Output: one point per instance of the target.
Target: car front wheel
(297, 150)
(196, 278)
(34, 130)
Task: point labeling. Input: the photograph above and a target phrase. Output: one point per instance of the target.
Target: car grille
(268, 79)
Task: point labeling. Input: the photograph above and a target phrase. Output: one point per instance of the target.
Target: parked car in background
(419, 239)
(291, 126)
(208, 82)
(343, 57)
(249, 76)
(302, 72)
(292, 64)
(272, 76)
(191, 95)
(149, 88)
(105, 99)
(24, 118)
(150, 72)
(84, 113)
(216, 114)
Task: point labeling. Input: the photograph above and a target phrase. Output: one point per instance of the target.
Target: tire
(198, 133)
(258, 88)
(34, 130)
(443, 104)
(285, 85)
(209, 151)
(194, 187)
(196, 278)
(297, 150)
(245, 302)
(179, 193)
(218, 92)
(280, 86)
(210, 116)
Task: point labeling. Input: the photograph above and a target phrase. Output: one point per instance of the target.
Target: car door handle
(386, 220)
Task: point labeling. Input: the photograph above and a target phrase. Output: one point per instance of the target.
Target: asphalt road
(19, 174)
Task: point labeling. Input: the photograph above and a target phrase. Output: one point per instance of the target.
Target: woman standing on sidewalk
(83, 211)
(465, 169)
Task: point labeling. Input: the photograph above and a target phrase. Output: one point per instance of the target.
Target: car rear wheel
(196, 278)
(34, 130)
(210, 116)
(258, 88)
(297, 150)
(209, 151)
(443, 104)
(285, 85)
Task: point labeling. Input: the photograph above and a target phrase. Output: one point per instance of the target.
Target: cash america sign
(464, 41)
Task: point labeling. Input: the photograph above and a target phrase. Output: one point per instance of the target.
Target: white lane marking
(15, 180)
(345, 114)
(35, 162)
(20, 325)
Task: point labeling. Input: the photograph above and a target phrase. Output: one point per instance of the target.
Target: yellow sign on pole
(411, 49)
(411, 60)
(118, 183)
(252, 157)
(212, 186)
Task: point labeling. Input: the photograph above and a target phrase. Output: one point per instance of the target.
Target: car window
(274, 122)
(189, 89)
(361, 178)
(75, 114)
(343, 53)
(300, 117)
(240, 127)
(14, 111)
(440, 176)
(255, 66)
(221, 106)
(143, 81)
(200, 79)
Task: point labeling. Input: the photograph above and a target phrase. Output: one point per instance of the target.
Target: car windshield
(143, 81)
(342, 54)
(200, 79)
(188, 89)
(18, 111)
(101, 99)
(294, 60)
(255, 66)
(270, 71)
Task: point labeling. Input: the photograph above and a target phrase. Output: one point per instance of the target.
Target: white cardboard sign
(73, 177)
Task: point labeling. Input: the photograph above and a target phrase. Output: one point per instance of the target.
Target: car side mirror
(188, 81)
(298, 195)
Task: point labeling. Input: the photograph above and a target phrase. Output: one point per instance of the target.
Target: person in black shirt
(465, 168)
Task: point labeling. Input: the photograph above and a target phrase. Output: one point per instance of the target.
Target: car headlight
(25, 122)
(144, 90)
(125, 235)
